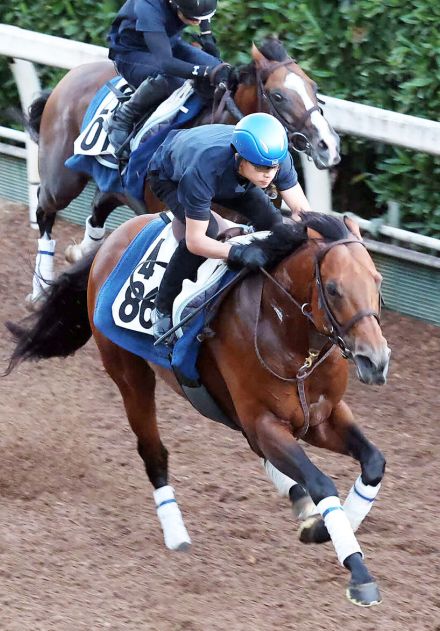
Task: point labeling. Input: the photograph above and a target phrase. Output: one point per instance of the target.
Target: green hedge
(378, 52)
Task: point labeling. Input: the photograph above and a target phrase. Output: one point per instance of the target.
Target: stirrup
(162, 323)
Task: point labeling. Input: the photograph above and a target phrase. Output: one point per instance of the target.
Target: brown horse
(291, 330)
(273, 82)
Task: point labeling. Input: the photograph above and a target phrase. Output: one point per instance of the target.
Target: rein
(321, 345)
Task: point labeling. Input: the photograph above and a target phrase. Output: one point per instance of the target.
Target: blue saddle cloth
(109, 180)
(183, 356)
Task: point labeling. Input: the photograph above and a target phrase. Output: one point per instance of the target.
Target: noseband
(265, 97)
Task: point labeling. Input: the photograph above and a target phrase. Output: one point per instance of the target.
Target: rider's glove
(208, 43)
(202, 81)
(207, 78)
(220, 74)
(250, 256)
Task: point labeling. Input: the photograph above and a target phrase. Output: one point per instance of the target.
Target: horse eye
(278, 97)
(332, 289)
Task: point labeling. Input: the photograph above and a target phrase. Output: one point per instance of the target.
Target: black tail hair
(61, 325)
(35, 113)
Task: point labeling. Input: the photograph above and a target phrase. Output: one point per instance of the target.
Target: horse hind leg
(103, 204)
(44, 270)
(136, 382)
(51, 198)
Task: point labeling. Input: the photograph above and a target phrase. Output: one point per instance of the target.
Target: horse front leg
(273, 437)
(340, 434)
(303, 507)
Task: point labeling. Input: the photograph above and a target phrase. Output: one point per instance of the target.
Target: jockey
(230, 166)
(147, 49)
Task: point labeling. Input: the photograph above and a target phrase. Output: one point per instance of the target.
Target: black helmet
(196, 9)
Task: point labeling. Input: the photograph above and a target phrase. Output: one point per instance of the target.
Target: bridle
(321, 344)
(224, 100)
(265, 97)
(337, 331)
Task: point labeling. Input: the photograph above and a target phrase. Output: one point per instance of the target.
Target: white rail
(45, 49)
(28, 47)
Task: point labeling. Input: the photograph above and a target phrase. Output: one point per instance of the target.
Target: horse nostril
(323, 145)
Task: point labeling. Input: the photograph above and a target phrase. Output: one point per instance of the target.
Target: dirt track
(80, 545)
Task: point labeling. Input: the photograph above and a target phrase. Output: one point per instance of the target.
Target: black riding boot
(149, 94)
(183, 264)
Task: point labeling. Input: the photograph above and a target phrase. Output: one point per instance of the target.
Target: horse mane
(272, 49)
(286, 238)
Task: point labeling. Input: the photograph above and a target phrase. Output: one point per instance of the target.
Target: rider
(147, 49)
(230, 166)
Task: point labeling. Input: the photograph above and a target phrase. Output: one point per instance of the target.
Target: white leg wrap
(359, 502)
(175, 534)
(339, 528)
(92, 237)
(282, 482)
(44, 266)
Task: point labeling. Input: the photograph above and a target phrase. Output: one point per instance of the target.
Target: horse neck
(246, 98)
(295, 274)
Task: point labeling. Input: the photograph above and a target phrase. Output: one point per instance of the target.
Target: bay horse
(272, 82)
(276, 364)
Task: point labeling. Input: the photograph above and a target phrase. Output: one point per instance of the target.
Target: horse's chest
(320, 410)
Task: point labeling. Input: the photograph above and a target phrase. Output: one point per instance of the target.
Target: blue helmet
(260, 139)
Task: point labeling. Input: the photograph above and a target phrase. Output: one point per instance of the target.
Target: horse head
(346, 299)
(323, 267)
(285, 91)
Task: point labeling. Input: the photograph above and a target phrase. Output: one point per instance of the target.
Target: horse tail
(61, 325)
(35, 112)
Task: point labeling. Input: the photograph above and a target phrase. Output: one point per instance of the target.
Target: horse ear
(353, 227)
(258, 57)
(313, 234)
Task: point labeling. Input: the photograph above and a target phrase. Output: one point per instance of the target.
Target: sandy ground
(80, 545)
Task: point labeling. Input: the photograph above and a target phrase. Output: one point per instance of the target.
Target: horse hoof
(313, 530)
(303, 508)
(364, 594)
(183, 547)
(73, 253)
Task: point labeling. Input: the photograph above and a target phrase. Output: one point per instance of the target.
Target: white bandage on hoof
(93, 235)
(282, 482)
(339, 528)
(92, 240)
(44, 267)
(359, 502)
(175, 534)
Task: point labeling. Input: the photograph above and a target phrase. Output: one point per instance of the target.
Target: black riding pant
(253, 204)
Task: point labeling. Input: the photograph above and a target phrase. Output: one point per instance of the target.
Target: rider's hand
(208, 43)
(202, 81)
(220, 74)
(207, 78)
(250, 256)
